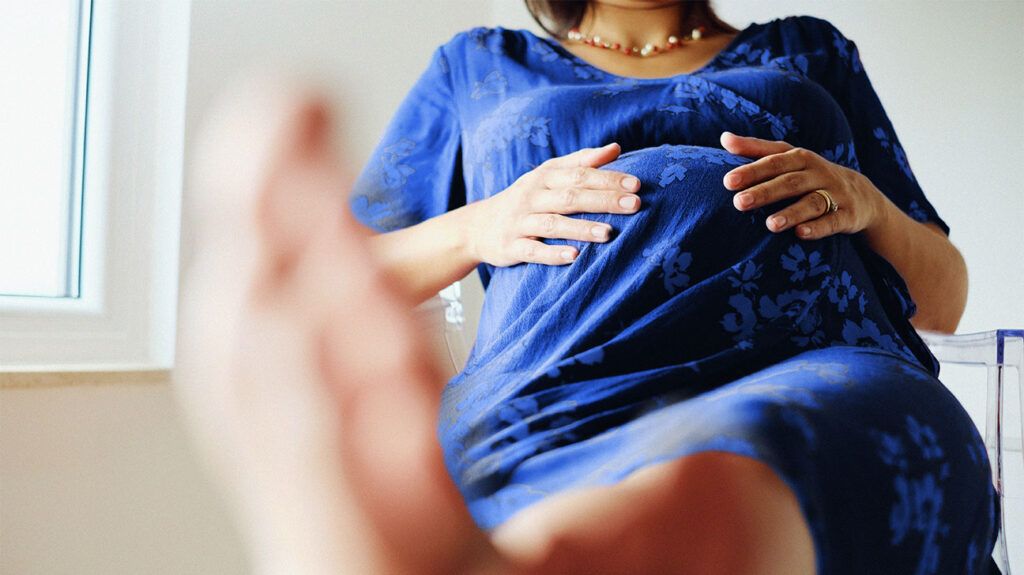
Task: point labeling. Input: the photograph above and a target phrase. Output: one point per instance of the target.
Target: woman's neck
(633, 23)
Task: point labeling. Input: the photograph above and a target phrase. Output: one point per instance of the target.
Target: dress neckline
(736, 41)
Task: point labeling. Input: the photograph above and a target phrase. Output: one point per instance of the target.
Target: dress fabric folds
(694, 328)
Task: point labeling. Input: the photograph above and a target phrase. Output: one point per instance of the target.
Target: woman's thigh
(888, 471)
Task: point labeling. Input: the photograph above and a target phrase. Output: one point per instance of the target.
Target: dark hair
(557, 17)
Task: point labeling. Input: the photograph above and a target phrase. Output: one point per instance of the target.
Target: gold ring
(831, 204)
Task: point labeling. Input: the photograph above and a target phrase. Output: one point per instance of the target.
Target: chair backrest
(1001, 353)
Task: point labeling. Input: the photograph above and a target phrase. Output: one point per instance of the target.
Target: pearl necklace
(647, 50)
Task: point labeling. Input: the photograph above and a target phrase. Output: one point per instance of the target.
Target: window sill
(91, 376)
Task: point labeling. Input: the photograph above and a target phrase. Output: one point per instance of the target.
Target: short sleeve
(880, 155)
(414, 173)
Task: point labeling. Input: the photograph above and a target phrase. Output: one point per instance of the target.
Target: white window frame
(124, 317)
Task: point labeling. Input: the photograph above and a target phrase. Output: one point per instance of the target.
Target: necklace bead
(646, 50)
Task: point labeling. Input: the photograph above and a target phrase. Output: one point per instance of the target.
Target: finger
(574, 200)
(584, 177)
(787, 185)
(751, 146)
(807, 208)
(767, 168)
(589, 157)
(533, 251)
(557, 226)
(827, 225)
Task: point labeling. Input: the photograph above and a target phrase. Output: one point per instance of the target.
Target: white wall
(101, 479)
(98, 478)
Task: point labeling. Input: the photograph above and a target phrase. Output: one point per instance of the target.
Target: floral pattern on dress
(745, 55)
(672, 264)
(843, 154)
(844, 293)
(387, 174)
(920, 468)
(745, 275)
(391, 172)
(493, 84)
(793, 311)
(617, 87)
(509, 123)
(589, 357)
(802, 264)
(546, 53)
(889, 142)
(676, 171)
(847, 52)
(867, 333)
(487, 39)
(795, 67)
(579, 71)
(385, 216)
(915, 211)
(692, 93)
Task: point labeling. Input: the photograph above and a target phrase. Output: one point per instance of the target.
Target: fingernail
(733, 180)
(745, 200)
(599, 232)
(567, 254)
(777, 221)
(804, 230)
(629, 202)
(630, 183)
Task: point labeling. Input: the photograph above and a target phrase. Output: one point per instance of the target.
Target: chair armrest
(997, 347)
(455, 336)
(996, 350)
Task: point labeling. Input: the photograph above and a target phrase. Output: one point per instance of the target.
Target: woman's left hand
(783, 171)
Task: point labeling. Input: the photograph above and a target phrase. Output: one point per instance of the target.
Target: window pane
(41, 144)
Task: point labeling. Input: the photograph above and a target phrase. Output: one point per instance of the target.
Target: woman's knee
(735, 512)
(707, 513)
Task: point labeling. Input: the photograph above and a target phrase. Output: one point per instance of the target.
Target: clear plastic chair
(1000, 352)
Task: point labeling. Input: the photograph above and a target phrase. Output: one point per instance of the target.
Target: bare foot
(315, 401)
(299, 364)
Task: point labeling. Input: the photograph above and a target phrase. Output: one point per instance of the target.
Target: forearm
(428, 256)
(931, 266)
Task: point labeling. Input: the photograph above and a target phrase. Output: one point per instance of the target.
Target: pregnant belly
(687, 263)
(686, 231)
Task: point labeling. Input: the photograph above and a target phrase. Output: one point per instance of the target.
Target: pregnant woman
(749, 299)
(704, 255)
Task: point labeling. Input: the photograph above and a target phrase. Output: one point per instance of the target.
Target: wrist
(885, 228)
(882, 208)
(466, 225)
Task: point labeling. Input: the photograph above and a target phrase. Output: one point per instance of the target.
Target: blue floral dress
(695, 328)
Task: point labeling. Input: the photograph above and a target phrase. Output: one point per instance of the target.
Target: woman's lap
(889, 470)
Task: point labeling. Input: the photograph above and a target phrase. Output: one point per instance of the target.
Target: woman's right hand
(506, 228)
